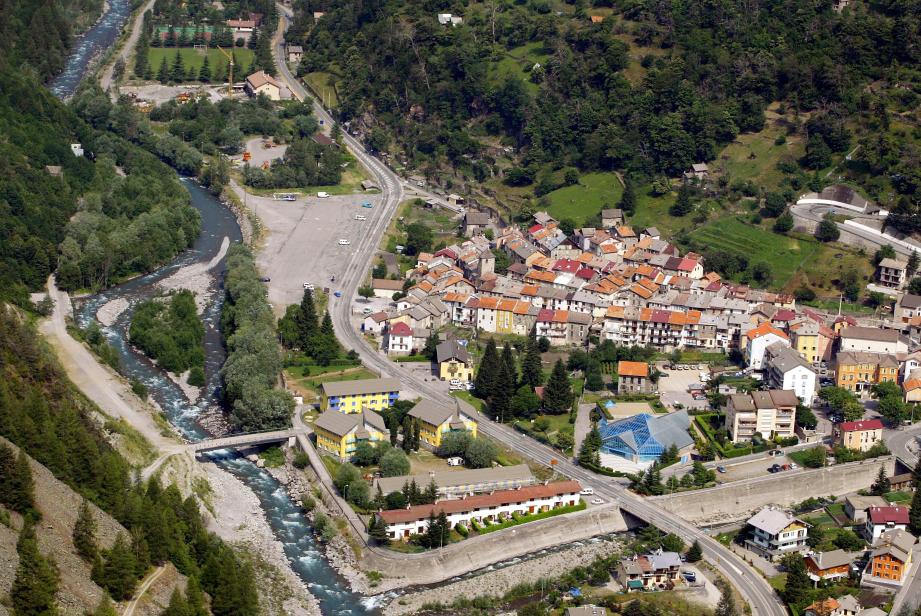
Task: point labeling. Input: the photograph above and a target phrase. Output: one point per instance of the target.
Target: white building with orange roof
(759, 339)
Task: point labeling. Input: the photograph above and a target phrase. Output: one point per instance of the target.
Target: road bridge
(252, 439)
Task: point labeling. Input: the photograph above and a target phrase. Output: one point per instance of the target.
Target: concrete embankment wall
(478, 552)
(733, 501)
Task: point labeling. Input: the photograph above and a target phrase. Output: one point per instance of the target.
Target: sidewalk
(765, 566)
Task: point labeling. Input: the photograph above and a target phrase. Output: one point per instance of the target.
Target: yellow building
(505, 316)
(339, 433)
(453, 361)
(805, 340)
(436, 420)
(353, 396)
(860, 435)
(858, 371)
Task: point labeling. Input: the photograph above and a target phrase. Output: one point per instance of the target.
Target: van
(455, 461)
(586, 491)
(322, 194)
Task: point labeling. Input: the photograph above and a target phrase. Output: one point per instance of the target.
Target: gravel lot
(753, 468)
(674, 387)
(301, 241)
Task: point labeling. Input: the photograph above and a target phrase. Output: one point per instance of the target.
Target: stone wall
(478, 552)
(736, 500)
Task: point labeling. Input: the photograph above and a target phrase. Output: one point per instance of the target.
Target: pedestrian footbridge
(245, 440)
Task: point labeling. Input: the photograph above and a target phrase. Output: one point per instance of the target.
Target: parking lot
(301, 242)
(673, 389)
(752, 468)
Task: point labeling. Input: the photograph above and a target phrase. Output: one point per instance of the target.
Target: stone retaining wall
(736, 500)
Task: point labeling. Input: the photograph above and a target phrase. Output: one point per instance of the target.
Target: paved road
(816, 212)
(898, 440)
(759, 595)
(908, 598)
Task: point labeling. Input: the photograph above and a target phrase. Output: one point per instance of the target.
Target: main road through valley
(754, 589)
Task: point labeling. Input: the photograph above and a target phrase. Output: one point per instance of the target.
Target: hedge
(411, 359)
(533, 517)
(703, 422)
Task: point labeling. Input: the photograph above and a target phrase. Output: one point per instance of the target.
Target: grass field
(581, 201)
(786, 255)
(754, 156)
(192, 58)
(320, 84)
(516, 61)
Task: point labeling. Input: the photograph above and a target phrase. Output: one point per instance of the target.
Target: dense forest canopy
(95, 218)
(37, 34)
(440, 91)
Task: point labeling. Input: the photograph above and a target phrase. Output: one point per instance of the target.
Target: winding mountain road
(755, 589)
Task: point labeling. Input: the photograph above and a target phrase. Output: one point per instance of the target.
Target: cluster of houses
(634, 288)
(773, 533)
(351, 415)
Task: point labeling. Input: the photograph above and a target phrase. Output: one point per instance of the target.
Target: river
(285, 517)
(91, 45)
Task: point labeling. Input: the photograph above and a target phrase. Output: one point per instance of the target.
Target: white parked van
(586, 491)
(455, 461)
(322, 194)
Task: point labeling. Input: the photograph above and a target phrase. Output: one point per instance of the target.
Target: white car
(344, 242)
(308, 286)
(322, 194)
(597, 501)
(587, 491)
(360, 217)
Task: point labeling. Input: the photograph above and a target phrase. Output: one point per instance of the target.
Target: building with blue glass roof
(644, 437)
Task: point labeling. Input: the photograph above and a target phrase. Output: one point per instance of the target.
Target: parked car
(322, 194)
(775, 468)
(587, 491)
(308, 286)
(597, 501)
(344, 242)
(721, 469)
(265, 279)
(367, 205)
(689, 576)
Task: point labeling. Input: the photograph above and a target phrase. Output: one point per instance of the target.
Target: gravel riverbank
(240, 521)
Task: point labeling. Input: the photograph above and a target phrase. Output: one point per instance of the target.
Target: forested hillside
(41, 412)
(647, 87)
(39, 34)
(115, 211)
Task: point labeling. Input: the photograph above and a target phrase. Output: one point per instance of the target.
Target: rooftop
(772, 520)
(888, 515)
(467, 478)
(859, 426)
(875, 334)
(470, 503)
(633, 368)
(363, 386)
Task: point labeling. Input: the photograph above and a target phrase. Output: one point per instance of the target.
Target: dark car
(265, 279)
(774, 469)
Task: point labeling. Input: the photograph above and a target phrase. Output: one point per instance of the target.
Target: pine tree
(798, 587)
(36, 582)
(683, 205)
(178, 70)
(177, 605)
(485, 382)
(394, 433)
(195, 598)
(531, 366)
(84, 535)
(628, 199)
(913, 262)
(431, 491)
(17, 489)
(694, 552)
(882, 485)
(407, 433)
(307, 321)
(558, 392)
(430, 350)
(916, 475)
(163, 72)
(417, 433)
(377, 530)
(503, 390)
(509, 360)
(118, 573)
(379, 499)
(914, 514)
(588, 454)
